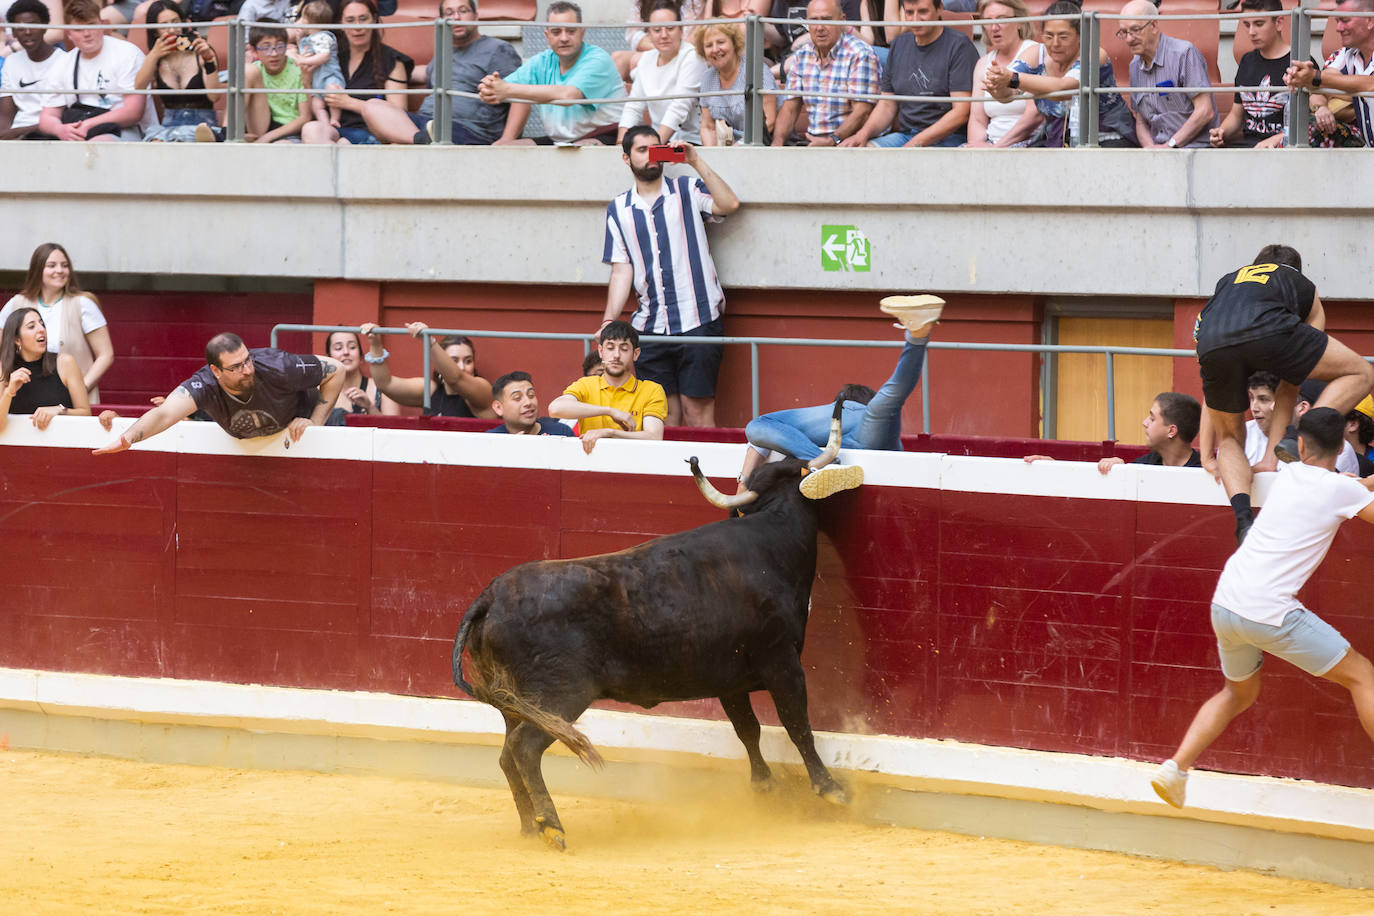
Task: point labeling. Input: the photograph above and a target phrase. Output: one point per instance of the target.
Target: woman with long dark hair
(179, 58)
(371, 70)
(455, 388)
(360, 394)
(72, 317)
(32, 379)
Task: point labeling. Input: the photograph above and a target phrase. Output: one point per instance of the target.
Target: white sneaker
(914, 312)
(1170, 783)
(831, 479)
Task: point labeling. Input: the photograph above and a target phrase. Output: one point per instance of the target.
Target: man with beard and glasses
(614, 404)
(249, 393)
(656, 242)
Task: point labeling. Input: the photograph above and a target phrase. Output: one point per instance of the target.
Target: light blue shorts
(1303, 639)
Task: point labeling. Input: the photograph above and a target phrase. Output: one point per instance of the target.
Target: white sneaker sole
(1170, 792)
(831, 479)
(914, 312)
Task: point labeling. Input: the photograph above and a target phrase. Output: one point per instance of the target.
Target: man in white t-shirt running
(1255, 608)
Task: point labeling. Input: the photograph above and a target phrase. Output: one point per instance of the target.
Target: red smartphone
(662, 152)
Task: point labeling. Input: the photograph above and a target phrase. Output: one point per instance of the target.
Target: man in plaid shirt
(836, 61)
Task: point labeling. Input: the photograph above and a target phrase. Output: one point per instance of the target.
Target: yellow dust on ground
(85, 834)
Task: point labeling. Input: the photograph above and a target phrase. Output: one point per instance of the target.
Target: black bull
(718, 611)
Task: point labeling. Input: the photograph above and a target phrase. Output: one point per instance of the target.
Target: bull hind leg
(741, 714)
(523, 805)
(527, 745)
(787, 685)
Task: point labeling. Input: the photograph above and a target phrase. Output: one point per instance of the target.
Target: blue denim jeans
(803, 431)
(179, 125)
(900, 138)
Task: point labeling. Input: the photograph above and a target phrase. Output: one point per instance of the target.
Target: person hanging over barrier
(249, 393)
(1266, 315)
(1255, 608)
(869, 420)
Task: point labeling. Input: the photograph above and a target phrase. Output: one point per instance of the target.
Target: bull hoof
(552, 836)
(762, 786)
(836, 794)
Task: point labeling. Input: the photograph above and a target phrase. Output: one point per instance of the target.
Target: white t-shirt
(1289, 540)
(101, 79)
(21, 72)
(91, 316)
(680, 76)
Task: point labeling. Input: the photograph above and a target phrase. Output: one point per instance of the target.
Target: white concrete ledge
(1289, 813)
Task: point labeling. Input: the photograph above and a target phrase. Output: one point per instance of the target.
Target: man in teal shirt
(569, 70)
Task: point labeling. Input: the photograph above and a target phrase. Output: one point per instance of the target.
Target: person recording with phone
(670, 270)
(179, 58)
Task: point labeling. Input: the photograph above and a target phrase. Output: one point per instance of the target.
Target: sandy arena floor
(86, 834)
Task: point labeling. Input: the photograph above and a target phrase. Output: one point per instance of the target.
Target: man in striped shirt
(656, 242)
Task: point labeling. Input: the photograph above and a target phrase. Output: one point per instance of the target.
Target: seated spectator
(1165, 119)
(668, 68)
(637, 37)
(360, 395)
(1366, 435)
(615, 404)
(455, 388)
(722, 117)
(26, 69)
(371, 70)
(118, 12)
(1257, 118)
(569, 70)
(998, 122)
(1263, 385)
(591, 365)
(85, 101)
(178, 60)
(266, 11)
(783, 41)
(517, 405)
(34, 380)
(475, 123)
(78, 328)
(1337, 120)
(1359, 432)
(927, 60)
(1054, 67)
(279, 116)
(834, 61)
(318, 57)
(1170, 428)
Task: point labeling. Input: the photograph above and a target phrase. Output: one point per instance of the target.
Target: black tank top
(40, 391)
(443, 404)
(191, 100)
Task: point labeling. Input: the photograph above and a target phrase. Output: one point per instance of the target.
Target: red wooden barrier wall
(1032, 621)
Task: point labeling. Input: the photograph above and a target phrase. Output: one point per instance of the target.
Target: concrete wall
(1110, 223)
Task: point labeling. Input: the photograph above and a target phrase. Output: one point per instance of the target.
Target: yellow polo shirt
(638, 397)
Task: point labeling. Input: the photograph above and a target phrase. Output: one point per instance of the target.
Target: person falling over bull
(870, 420)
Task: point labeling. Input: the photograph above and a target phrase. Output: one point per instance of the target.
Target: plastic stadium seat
(524, 10)
(416, 42)
(958, 21)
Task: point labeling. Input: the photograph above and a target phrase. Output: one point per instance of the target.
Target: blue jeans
(803, 431)
(900, 138)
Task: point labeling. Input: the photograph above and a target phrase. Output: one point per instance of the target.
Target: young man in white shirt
(26, 71)
(1255, 608)
(95, 76)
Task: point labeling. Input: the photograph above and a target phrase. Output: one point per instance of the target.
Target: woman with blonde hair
(722, 117)
(992, 122)
(76, 326)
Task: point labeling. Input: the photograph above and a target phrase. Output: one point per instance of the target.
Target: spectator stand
(532, 40)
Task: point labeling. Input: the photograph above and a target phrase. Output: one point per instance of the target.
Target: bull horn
(832, 448)
(714, 496)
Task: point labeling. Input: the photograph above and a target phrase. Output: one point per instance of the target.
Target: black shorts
(689, 369)
(1226, 371)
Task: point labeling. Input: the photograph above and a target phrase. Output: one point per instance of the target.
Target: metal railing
(423, 337)
(443, 93)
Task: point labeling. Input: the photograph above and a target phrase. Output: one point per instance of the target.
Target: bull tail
(476, 613)
(502, 694)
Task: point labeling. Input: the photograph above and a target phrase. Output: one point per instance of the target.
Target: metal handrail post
(754, 376)
(1111, 397)
(925, 392)
(428, 372)
(1298, 113)
(443, 102)
(234, 107)
(1089, 41)
(753, 81)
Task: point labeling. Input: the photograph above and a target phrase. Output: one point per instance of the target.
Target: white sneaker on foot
(914, 312)
(1170, 783)
(831, 479)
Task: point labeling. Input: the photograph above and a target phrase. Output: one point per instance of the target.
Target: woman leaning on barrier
(179, 58)
(722, 117)
(74, 322)
(360, 394)
(371, 70)
(1054, 68)
(455, 388)
(32, 379)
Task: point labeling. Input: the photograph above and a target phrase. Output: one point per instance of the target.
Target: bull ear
(714, 496)
(832, 448)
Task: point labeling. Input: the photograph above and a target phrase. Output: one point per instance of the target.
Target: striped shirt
(1352, 63)
(665, 242)
(851, 68)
